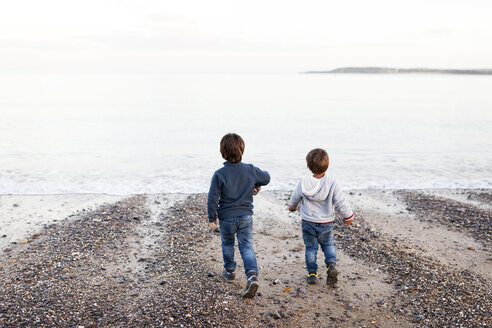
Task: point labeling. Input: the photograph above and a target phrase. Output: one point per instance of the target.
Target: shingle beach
(418, 258)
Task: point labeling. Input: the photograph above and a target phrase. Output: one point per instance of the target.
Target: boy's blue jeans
(314, 234)
(241, 226)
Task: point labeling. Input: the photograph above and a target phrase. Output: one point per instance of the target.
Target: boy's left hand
(348, 221)
(213, 225)
(256, 191)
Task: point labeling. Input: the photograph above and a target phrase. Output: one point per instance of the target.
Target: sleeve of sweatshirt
(213, 198)
(262, 177)
(341, 204)
(296, 197)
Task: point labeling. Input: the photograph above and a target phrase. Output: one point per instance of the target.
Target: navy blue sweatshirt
(231, 190)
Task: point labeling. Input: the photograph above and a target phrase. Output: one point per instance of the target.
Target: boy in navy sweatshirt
(230, 198)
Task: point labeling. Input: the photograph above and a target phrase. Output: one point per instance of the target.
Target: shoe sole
(332, 277)
(251, 291)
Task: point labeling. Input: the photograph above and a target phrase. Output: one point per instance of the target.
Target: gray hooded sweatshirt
(319, 199)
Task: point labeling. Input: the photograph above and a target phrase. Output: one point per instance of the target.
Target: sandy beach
(412, 258)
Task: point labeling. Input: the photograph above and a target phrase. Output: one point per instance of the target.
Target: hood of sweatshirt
(314, 188)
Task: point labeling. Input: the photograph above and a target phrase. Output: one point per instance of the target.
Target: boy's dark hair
(232, 147)
(318, 161)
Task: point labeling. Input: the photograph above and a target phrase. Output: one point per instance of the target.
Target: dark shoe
(229, 276)
(331, 274)
(251, 287)
(312, 278)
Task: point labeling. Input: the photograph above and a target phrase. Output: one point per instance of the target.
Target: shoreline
(151, 260)
(23, 215)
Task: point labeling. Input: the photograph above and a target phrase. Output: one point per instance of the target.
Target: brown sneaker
(331, 274)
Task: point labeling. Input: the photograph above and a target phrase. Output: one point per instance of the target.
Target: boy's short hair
(318, 161)
(232, 147)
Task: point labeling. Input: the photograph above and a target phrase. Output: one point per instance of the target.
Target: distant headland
(387, 70)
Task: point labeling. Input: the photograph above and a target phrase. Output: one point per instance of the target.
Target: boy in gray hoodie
(319, 196)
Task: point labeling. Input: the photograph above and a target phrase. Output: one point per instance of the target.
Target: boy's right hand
(256, 191)
(291, 209)
(213, 225)
(348, 221)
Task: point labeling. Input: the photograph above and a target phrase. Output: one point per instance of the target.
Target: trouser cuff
(251, 273)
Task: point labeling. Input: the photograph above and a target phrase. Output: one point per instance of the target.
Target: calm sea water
(123, 134)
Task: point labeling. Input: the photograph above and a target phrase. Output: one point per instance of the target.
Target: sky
(219, 36)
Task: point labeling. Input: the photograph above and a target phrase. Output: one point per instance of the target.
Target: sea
(128, 133)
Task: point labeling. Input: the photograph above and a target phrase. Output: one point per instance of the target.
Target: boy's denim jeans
(314, 233)
(242, 227)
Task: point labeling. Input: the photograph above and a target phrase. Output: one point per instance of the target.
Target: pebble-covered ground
(140, 263)
(453, 214)
(90, 272)
(429, 293)
(59, 278)
(184, 293)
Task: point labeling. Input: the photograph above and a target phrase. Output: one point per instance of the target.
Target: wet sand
(411, 259)
(24, 215)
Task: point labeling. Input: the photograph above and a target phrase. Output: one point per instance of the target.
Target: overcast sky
(242, 36)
